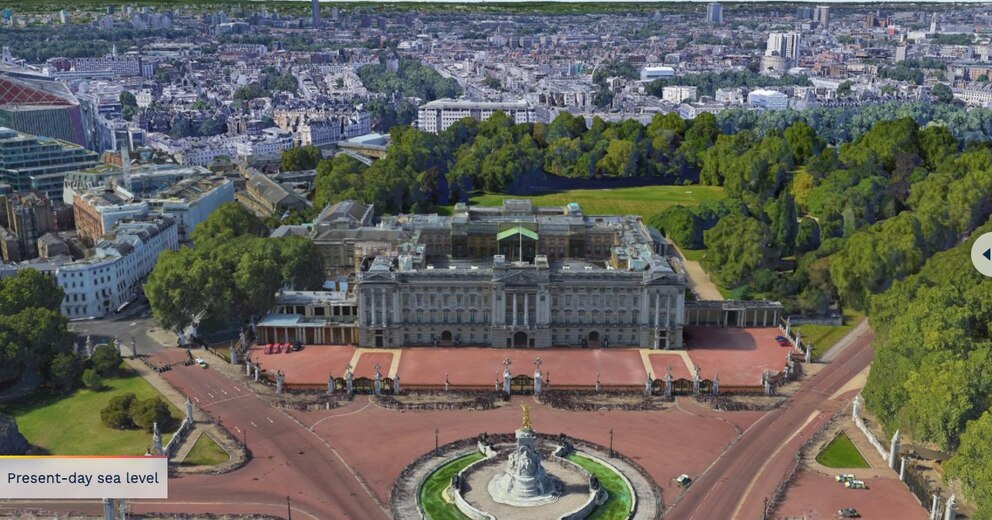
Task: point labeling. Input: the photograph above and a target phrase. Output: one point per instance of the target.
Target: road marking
(754, 479)
(197, 398)
(210, 395)
(253, 424)
(238, 429)
(242, 396)
(270, 420)
(342, 414)
(222, 391)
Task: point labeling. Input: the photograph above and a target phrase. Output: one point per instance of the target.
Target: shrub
(117, 414)
(106, 360)
(92, 379)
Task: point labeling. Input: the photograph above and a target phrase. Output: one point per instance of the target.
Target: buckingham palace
(516, 276)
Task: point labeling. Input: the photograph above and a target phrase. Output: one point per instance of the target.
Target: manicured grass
(644, 201)
(206, 452)
(841, 453)
(825, 336)
(693, 255)
(432, 491)
(618, 504)
(70, 424)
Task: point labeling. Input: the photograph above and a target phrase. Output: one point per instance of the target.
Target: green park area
(842, 453)
(617, 506)
(644, 201)
(206, 452)
(432, 491)
(69, 424)
(822, 337)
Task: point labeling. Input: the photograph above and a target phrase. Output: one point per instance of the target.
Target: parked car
(201, 363)
(784, 343)
(844, 477)
(780, 338)
(297, 346)
(848, 512)
(855, 484)
(683, 480)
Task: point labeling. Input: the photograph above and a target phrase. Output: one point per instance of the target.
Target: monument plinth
(524, 482)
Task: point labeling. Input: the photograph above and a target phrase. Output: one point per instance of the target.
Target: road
(699, 281)
(288, 460)
(736, 485)
(135, 322)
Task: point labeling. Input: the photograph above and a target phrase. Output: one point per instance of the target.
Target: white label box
(84, 477)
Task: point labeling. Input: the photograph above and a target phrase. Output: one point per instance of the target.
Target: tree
(844, 89)
(803, 141)
(92, 379)
(681, 225)
(942, 93)
(972, 464)
(129, 105)
(117, 413)
(145, 414)
(620, 159)
(64, 371)
(736, 247)
(230, 220)
(29, 288)
(300, 158)
(106, 360)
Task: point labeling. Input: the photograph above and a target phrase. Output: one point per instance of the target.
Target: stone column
(189, 410)
(157, 440)
(716, 384)
(668, 311)
(372, 297)
(902, 469)
(348, 380)
(696, 382)
(280, 377)
(668, 385)
(856, 408)
(247, 368)
(597, 382)
(396, 385)
(514, 309)
(506, 381)
(526, 309)
(255, 368)
(657, 310)
(330, 384)
(894, 451)
(933, 507)
(385, 309)
(397, 315)
(951, 510)
(537, 382)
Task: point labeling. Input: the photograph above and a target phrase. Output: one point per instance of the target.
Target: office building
(653, 73)
(36, 104)
(785, 45)
(768, 99)
(714, 13)
(821, 15)
(97, 211)
(191, 201)
(437, 116)
(679, 93)
(315, 13)
(29, 162)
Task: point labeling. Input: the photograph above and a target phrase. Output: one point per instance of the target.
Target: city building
(714, 13)
(509, 276)
(27, 217)
(105, 282)
(97, 211)
(190, 201)
(768, 99)
(678, 94)
(821, 15)
(36, 104)
(652, 73)
(437, 116)
(266, 197)
(315, 13)
(785, 45)
(29, 162)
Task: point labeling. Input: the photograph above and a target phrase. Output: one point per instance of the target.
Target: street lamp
(436, 433)
(611, 442)
(289, 508)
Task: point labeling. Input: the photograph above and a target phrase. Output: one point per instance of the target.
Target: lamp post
(436, 433)
(289, 508)
(611, 442)
(245, 432)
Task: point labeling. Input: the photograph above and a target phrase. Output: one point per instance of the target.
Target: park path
(700, 283)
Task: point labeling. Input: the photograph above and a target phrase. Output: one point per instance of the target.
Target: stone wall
(860, 423)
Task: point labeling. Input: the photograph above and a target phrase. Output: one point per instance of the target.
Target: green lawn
(206, 452)
(432, 491)
(841, 453)
(825, 336)
(70, 424)
(618, 504)
(644, 201)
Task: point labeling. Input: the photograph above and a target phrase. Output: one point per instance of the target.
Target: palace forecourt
(513, 276)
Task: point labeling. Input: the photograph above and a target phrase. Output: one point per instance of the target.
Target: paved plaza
(737, 355)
